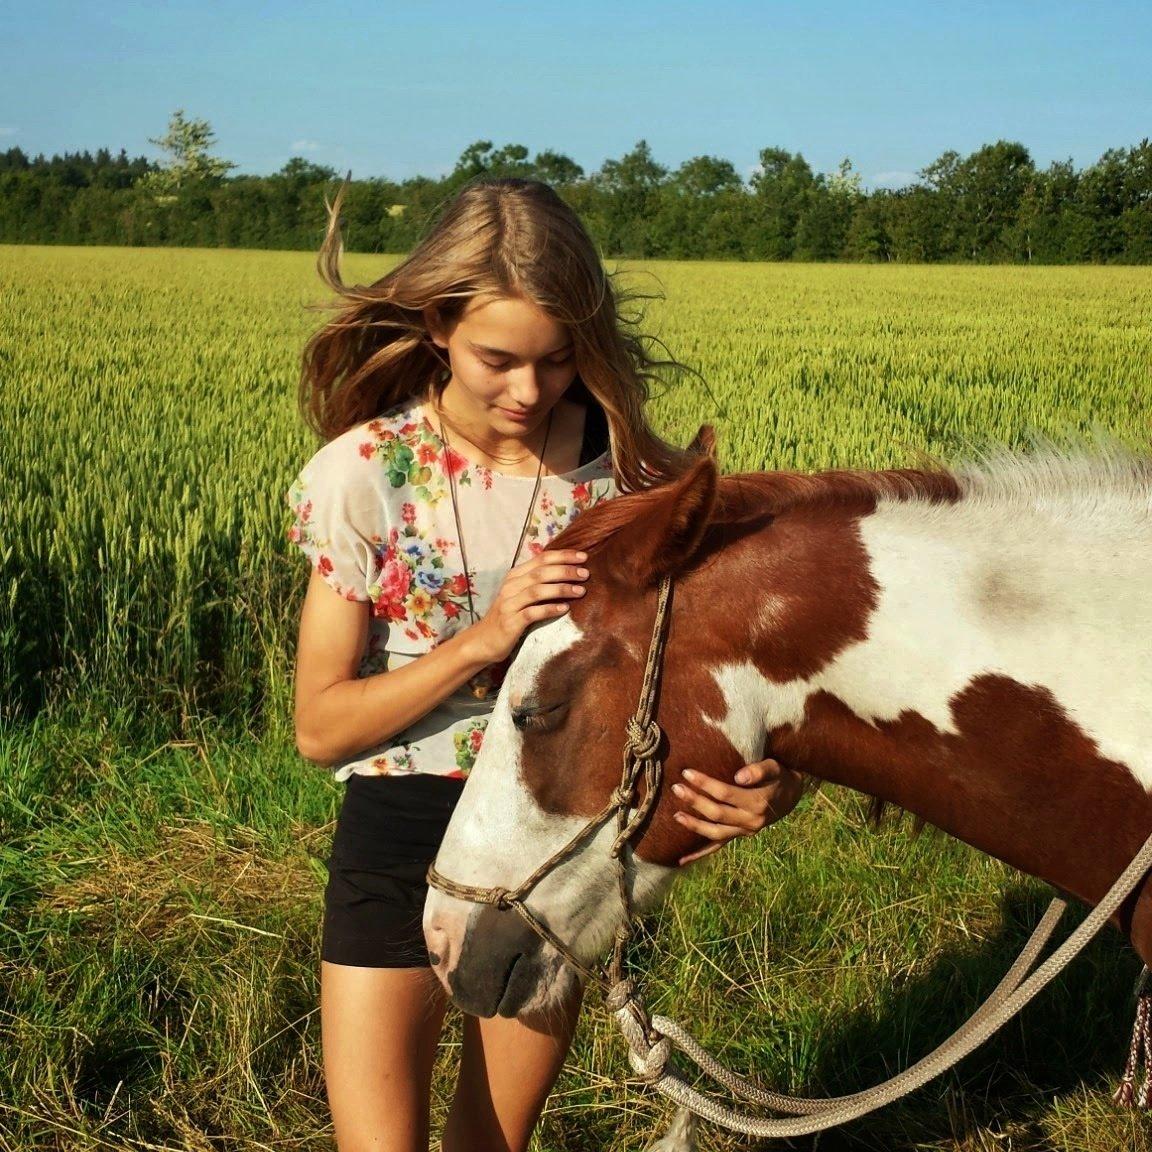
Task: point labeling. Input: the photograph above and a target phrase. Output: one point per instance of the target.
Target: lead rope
(641, 755)
(650, 1060)
(1140, 1049)
(801, 1106)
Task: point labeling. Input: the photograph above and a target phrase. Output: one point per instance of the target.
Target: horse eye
(525, 716)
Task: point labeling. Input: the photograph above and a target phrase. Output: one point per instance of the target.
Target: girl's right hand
(536, 590)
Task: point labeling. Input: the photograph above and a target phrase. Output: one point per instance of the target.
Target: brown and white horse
(975, 647)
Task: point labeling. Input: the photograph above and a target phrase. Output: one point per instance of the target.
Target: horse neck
(941, 672)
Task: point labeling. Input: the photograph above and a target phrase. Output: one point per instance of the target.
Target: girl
(473, 401)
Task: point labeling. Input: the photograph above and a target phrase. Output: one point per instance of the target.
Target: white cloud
(8, 130)
(893, 179)
(306, 146)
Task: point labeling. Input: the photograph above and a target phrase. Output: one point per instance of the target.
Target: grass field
(161, 843)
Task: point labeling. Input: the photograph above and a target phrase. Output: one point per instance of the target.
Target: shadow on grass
(1070, 1043)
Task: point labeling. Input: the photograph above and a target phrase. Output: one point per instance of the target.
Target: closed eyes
(525, 717)
(499, 363)
(504, 365)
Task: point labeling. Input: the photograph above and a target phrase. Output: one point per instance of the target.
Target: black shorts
(388, 832)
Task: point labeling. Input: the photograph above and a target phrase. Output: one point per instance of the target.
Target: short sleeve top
(372, 510)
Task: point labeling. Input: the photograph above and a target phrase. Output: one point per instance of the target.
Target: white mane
(1085, 481)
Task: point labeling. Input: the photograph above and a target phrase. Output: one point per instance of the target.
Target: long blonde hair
(506, 237)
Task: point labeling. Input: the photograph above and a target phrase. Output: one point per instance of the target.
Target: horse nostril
(436, 941)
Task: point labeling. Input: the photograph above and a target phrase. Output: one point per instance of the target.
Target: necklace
(483, 682)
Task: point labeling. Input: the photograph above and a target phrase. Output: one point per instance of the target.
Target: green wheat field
(162, 843)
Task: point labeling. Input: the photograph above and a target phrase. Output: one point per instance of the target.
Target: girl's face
(510, 363)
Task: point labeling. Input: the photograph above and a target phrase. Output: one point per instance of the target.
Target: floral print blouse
(372, 511)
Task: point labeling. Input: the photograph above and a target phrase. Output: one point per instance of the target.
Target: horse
(972, 645)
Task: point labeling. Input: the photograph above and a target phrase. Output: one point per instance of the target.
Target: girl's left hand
(763, 793)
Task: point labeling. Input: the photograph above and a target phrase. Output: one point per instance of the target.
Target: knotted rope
(649, 1051)
(1139, 1050)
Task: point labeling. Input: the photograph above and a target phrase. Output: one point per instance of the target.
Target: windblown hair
(497, 237)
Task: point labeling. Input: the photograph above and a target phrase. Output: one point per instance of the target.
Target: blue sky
(398, 90)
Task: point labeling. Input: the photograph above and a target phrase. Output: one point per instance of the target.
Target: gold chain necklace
(483, 682)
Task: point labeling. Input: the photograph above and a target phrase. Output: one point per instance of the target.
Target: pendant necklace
(482, 683)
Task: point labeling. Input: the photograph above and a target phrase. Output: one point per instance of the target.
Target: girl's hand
(763, 793)
(536, 590)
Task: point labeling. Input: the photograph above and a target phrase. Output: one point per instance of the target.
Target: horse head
(552, 752)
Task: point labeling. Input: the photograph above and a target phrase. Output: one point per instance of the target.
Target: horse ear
(669, 530)
(704, 442)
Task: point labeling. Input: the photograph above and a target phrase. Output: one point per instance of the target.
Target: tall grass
(150, 432)
(158, 968)
(161, 843)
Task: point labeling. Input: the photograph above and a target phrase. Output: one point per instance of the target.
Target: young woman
(473, 402)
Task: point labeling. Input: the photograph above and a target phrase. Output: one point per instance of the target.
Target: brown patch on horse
(599, 681)
(794, 586)
(846, 490)
(786, 540)
(816, 593)
(800, 582)
(1019, 779)
(587, 712)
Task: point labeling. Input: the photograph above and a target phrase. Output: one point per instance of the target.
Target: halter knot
(620, 995)
(650, 1067)
(501, 898)
(643, 738)
(622, 796)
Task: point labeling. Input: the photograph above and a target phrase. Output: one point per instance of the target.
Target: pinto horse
(974, 646)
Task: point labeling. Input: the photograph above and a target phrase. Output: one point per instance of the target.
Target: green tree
(699, 211)
(635, 172)
(301, 171)
(705, 176)
(918, 225)
(1136, 218)
(782, 186)
(557, 169)
(631, 187)
(867, 238)
(511, 160)
(993, 181)
(474, 161)
(822, 227)
(845, 181)
(189, 161)
(481, 158)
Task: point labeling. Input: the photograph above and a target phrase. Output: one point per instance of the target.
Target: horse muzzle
(489, 960)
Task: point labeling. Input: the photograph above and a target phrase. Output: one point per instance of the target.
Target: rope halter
(641, 762)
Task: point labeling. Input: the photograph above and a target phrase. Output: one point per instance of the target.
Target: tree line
(992, 206)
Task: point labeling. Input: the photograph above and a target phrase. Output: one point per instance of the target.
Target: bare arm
(339, 713)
